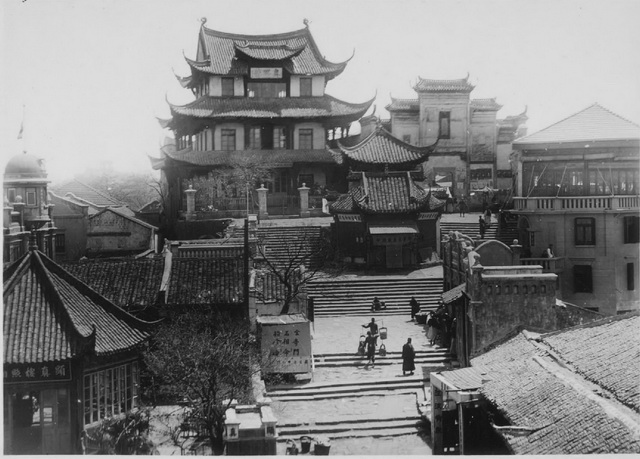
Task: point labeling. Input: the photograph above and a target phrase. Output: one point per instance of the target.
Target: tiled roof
(594, 123)
(461, 85)
(49, 315)
(269, 158)
(271, 107)
(126, 283)
(383, 148)
(386, 193)
(485, 104)
(533, 391)
(297, 50)
(403, 104)
(120, 212)
(454, 293)
(205, 281)
(86, 193)
(615, 366)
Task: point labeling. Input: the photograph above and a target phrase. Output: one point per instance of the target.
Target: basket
(382, 350)
(305, 444)
(383, 332)
(322, 447)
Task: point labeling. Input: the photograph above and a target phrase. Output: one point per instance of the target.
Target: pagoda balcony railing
(549, 265)
(576, 203)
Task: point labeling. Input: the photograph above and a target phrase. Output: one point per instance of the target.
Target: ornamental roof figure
(223, 53)
(49, 315)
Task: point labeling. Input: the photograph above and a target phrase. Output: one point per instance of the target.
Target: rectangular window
(281, 182)
(227, 86)
(631, 282)
(110, 392)
(267, 89)
(305, 139)
(631, 230)
(585, 231)
(279, 137)
(305, 87)
(228, 139)
(60, 243)
(255, 142)
(31, 196)
(11, 195)
(582, 280)
(445, 126)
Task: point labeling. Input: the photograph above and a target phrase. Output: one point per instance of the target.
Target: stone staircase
(509, 232)
(354, 296)
(435, 357)
(470, 229)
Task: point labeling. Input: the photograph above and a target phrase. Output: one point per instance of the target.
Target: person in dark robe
(415, 307)
(408, 358)
(370, 342)
(483, 227)
(373, 328)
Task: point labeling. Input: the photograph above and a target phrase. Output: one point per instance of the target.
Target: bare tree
(207, 360)
(283, 275)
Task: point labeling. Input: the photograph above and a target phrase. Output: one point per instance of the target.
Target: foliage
(241, 176)
(135, 190)
(206, 360)
(124, 435)
(284, 277)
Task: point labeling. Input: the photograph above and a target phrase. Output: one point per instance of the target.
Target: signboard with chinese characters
(286, 344)
(37, 372)
(274, 73)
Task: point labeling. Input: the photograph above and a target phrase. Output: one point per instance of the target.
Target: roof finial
(33, 241)
(203, 20)
(306, 22)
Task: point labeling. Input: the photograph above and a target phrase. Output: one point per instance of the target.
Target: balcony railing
(549, 265)
(577, 203)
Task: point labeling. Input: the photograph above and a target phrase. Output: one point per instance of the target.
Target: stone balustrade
(576, 203)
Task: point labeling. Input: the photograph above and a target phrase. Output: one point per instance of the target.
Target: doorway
(37, 422)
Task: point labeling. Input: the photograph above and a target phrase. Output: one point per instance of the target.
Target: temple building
(260, 101)
(470, 153)
(70, 357)
(578, 190)
(387, 219)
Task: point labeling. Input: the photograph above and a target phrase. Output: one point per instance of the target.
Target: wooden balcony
(576, 203)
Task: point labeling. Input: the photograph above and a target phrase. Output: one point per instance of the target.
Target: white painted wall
(317, 85)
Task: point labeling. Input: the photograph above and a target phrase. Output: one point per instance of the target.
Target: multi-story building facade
(260, 100)
(469, 139)
(578, 190)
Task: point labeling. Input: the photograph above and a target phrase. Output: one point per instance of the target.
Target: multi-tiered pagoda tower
(259, 100)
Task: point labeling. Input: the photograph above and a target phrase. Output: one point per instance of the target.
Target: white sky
(93, 74)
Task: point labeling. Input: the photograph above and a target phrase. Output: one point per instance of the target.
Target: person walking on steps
(415, 307)
(408, 358)
(373, 328)
(482, 226)
(370, 342)
(462, 205)
(376, 305)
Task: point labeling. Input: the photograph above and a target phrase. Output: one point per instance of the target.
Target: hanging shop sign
(271, 73)
(37, 372)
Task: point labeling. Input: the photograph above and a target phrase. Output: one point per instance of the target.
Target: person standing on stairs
(370, 342)
(415, 307)
(408, 358)
(462, 205)
(373, 329)
(483, 227)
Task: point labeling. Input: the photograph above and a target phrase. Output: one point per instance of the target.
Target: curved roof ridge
(380, 130)
(84, 288)
(244, 36)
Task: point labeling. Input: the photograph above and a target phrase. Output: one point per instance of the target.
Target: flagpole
(21, 133)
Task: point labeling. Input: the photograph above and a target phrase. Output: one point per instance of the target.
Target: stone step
(369, 433)
(364, 392)
(347, 383)
(356, 419)
(419, 353)
(381, 361)
(332, 429)
(409, 382)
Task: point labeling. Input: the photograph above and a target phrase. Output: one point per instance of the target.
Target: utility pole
(245, 286)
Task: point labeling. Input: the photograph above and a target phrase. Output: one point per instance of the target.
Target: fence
(283, 204)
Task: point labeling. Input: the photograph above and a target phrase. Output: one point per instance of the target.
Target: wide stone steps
(375, 428)
(436, 357)
(468, 229)
(354, 296)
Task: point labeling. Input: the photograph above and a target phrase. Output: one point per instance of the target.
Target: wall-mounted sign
(37, 372)
(266, 72)
(286, 347)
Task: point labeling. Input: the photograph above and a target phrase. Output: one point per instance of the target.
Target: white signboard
(266, 72)
(286, 347)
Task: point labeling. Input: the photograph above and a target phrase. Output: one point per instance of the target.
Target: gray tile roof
(268, 158)
(461, 85)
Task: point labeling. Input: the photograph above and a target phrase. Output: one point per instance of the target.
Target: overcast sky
(94, 74)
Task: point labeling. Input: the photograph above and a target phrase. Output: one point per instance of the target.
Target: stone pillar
(304, 201)
(262, 202)
(191, 203)
(516, 252)
(7, 214)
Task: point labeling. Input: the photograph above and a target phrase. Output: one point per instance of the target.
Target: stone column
(262, 202)
(191, 203)
(304, 201)
(516, 251)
